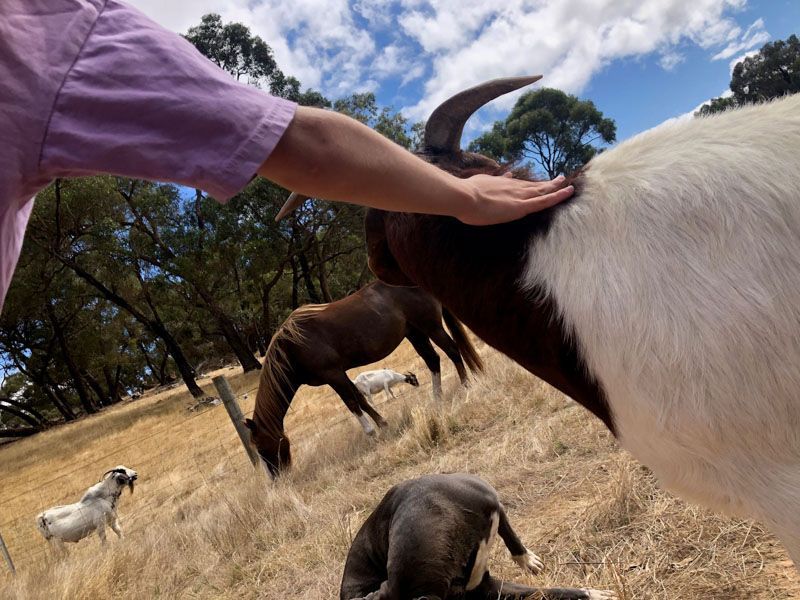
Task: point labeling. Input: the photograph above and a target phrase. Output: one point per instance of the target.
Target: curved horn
(443, 131)
(292, 202)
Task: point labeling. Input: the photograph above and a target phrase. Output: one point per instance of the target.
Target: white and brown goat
(431, 538)
(372, 382)
(96, 509)
(664, 296)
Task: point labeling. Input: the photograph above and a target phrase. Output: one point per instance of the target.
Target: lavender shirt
(94, 86)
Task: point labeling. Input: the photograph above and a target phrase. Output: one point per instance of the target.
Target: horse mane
(271, 406)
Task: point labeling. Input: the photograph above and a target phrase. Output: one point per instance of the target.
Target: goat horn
(446, 123)
(292, 202)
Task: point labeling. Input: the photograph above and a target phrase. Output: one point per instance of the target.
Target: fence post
(235, 413)
(7, 556)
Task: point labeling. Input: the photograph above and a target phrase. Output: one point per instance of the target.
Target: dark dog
(430, 538)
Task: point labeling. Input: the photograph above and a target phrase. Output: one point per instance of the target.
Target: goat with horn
(663, 297)
(96, 509)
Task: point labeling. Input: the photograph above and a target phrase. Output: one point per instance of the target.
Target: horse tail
(471, 357)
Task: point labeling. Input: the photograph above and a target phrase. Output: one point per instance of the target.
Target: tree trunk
(182, 364)
(323, 277)
(40, 418)
(22, 415)
(238, 345)
(295, 284)
(229, 331)
(19, 432)
(102, 395)
(60, 405)
(154, 325)
(162, 369)
(113, 383)
(72, 368)
(305, 270)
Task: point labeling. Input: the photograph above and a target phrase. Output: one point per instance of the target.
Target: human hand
(501, 199)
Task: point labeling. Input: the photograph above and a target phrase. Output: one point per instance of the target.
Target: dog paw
(529, 562)
(600, 595)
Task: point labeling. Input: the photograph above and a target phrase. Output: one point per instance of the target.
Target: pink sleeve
(140, 101)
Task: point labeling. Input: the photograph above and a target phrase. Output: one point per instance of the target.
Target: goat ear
(380, 258)
(250, 424)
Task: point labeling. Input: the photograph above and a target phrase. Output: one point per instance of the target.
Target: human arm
(328, 155)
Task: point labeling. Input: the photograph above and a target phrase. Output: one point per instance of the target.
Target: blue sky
(640, 61)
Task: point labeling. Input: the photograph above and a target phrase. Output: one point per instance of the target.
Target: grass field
(201, 524)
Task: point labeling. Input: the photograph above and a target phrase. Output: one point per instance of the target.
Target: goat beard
(130, 486)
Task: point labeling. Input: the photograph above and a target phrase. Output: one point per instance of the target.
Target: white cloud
(333, 44)
(567, 40)
(327, 48)
(669, 60)
(755, 35)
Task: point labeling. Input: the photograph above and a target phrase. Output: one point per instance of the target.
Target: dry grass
(200, 525)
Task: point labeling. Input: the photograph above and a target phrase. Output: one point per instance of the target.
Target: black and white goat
(96, 509)
(431, 537)
(664, 297)
(372, 382)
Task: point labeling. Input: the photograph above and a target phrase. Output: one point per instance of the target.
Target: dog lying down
(430, 539)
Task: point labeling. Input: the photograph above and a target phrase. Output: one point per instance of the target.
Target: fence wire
(19, 530)
(223, 458)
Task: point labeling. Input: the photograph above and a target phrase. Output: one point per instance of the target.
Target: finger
(526, 189)
(545, 187)
(508, 175)
(548, 200)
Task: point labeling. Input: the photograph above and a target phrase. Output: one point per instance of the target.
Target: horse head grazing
(274, 448)
(277, 386)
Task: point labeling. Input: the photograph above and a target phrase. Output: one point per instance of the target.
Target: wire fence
(170, 460)
(173, 460)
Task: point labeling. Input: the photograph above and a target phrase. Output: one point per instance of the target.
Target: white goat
(372, 382)
(96, 509)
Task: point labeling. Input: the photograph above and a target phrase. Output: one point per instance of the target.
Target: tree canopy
(554, 132)
(772, 72)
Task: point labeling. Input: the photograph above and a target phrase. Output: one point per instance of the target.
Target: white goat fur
(678, 273)
(96, 508)
(372, 382)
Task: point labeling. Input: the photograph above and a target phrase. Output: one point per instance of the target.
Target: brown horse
(318, 343)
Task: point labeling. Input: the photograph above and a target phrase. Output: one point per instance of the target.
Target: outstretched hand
(502, 199)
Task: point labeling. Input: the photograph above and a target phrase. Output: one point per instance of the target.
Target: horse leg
(449, 346)
(425, 349)
(355, 402)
